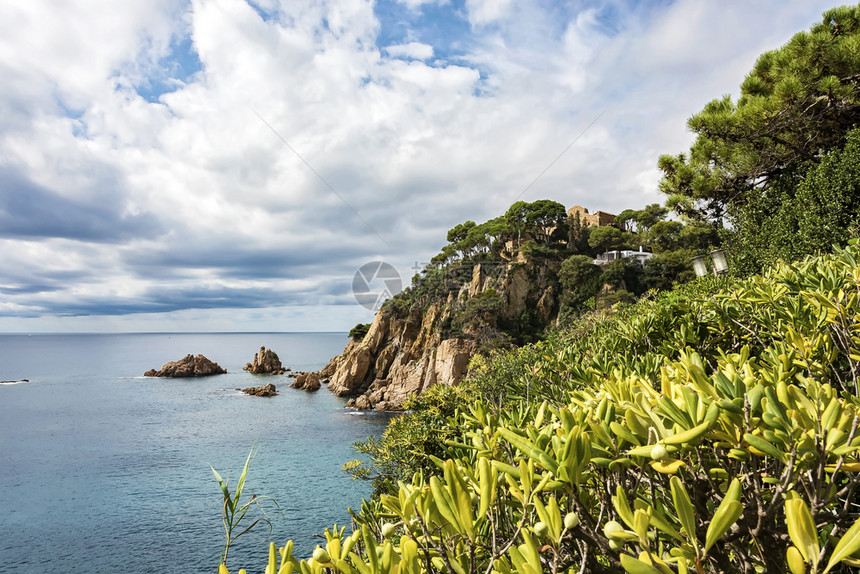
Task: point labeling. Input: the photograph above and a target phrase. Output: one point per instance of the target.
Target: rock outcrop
(408, 350)
(266, 362)
(306, 382)
(263, 391)
(188, 366)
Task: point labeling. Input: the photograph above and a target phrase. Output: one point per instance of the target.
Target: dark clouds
(29, 210)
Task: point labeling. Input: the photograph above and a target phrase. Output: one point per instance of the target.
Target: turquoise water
(103, 470)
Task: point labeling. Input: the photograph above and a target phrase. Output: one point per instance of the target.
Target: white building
(610, 256)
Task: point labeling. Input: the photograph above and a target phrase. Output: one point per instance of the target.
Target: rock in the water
(264, 391)
(307, 382)
(188, 366)
(362, 404)
(266, 362)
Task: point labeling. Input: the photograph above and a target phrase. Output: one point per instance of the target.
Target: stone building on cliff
(596, 219)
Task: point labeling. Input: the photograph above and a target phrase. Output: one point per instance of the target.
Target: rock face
(266, 362)
(405, 352)
(264, 391)
(188, 366)
(306, 382)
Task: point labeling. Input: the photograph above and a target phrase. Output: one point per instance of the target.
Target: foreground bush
(712, 429)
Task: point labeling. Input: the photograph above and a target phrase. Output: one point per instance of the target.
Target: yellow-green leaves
(795, 560)
(622, 507)
(636, 566)
(641, 520)
(550, 515)
(488, 477)
(801, 529)
(764, 446)
(692, 435)
(685, 510)
(727, 514)
(848, 545)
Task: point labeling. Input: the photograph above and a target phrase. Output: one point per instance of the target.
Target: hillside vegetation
(711, 429)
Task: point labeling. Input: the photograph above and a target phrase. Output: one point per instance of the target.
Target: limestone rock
(361, 403)
(410, 348)
(452, 360)
(265, 391)
(306, 382)
(517, 289)
(188, 366)
(350, 373)
(266, 362)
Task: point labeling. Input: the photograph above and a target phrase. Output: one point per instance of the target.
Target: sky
(230, 165)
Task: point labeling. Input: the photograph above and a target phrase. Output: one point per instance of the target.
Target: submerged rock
(188, 366)
(265, 391)
(266, 362)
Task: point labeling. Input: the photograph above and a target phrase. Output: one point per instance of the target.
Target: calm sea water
(105, 471)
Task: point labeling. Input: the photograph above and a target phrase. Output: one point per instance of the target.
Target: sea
(103, 470)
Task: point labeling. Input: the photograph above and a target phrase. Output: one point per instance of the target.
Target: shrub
(359, 331)
(713, 428)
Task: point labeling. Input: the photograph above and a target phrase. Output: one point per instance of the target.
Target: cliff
(427, 335)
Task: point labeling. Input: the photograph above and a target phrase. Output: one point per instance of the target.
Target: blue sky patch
(444, 27)
(173, 70)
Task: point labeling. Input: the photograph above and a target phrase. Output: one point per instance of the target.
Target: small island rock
(266, 362)
(265, 391)
(188, 366)
(307, 382)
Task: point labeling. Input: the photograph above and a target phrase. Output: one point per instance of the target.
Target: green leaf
(764, 446)
(241, 484)
(622, 507)
(636, 566)
(726, 515)
(801, 529)
(685, 510)
(848, 545)
(795, 560)
(224, 490)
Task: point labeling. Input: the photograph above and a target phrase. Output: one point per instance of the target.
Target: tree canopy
(798, 102)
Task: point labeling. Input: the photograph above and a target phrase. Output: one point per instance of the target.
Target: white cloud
(193, 201)
(412, 50)
(482, 12)
(417, 4)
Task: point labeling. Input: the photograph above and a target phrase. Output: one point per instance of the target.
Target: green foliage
(624, 274)
(798, 216)
(797, 101)
(649, 216)
(581, 280)
(233, 513)
(712, 428)
(409, 441)
(606, 237)
(479, 315)
(359, 331)
(669, 268)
